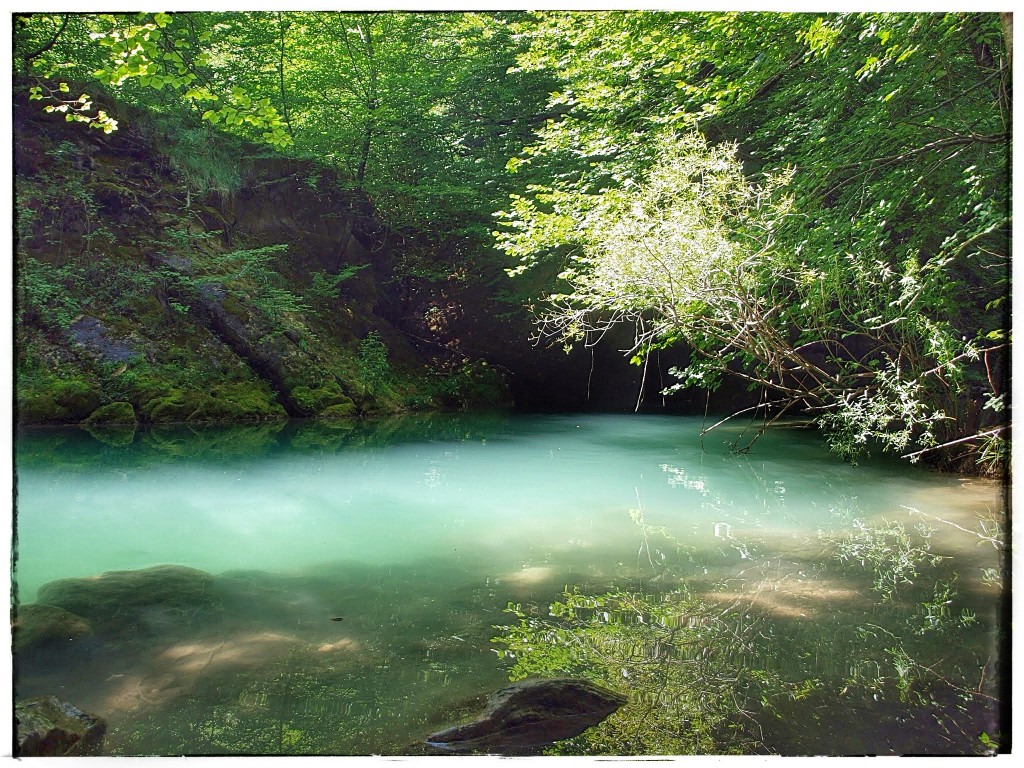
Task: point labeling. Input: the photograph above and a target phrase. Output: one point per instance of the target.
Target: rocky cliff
(169, 276)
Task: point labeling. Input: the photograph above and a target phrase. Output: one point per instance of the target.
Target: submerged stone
(37, 625)
(159, 596)
(49, 727)
(532, 713)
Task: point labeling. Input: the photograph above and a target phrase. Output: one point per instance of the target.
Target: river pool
(356, 578)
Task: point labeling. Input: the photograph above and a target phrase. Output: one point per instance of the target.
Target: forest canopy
(816, 204)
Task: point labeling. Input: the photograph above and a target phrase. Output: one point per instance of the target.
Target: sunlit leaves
(896, 245)
(151, 51)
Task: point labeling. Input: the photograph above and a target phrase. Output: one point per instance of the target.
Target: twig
(955, 442)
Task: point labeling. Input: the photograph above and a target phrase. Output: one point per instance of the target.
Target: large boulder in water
(532, 713)
(157, 598)
(49, 727)
(37, 626)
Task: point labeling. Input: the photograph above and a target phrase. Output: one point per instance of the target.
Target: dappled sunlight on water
(355, 586)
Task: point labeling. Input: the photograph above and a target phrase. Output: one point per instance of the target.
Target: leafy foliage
(671, 653)
(870, 292)
(56, 205)
(374, 369)
(890, 552)
(46, 293)
(876, 303)
(324, 286)
(249, 274)
(418, 109)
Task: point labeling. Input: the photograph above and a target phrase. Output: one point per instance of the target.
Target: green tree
(881, 303)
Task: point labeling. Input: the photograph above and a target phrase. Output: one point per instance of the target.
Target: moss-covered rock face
(112, 413)
(339, 411)
(187, 319)
(37, 625)
(239, 401)
(53, 399)
(313, 400)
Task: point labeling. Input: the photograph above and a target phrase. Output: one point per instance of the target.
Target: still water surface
(359, 570)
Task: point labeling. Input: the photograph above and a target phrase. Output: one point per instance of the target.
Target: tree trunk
(1007, 21)
(283, 28)
(372, 101)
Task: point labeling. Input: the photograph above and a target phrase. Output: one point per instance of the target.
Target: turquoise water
(420, 531)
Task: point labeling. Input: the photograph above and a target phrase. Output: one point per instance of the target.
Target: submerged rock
(164, 595)
(532, 713)
(37, 625)
(49, 727)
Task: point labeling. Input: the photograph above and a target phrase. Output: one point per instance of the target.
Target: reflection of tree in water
(673, 653)
(867, 628)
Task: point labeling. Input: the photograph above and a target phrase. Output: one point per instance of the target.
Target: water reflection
(735, 610)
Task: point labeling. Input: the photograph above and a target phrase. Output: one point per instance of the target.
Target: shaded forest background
(244, 216)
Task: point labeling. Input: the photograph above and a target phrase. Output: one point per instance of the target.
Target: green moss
(52, 399)
(113, 413)
(312, 400)
(237, 401)
(174, 407)
(244, 401)
(37, 408)
(339, 411)
(233, 306)
(79, 396)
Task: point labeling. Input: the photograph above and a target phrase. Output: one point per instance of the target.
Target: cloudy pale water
(358, 571)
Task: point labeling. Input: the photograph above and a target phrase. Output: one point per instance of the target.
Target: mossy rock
(171, 408)
(112, 413)
(233, 306)
(339, 411)
(38, 408)
(120, 599)
(239, 401)
(58, 400)
(312, 400)
(37, 625)
(145, 389)
(49, 727)
(80, 397)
